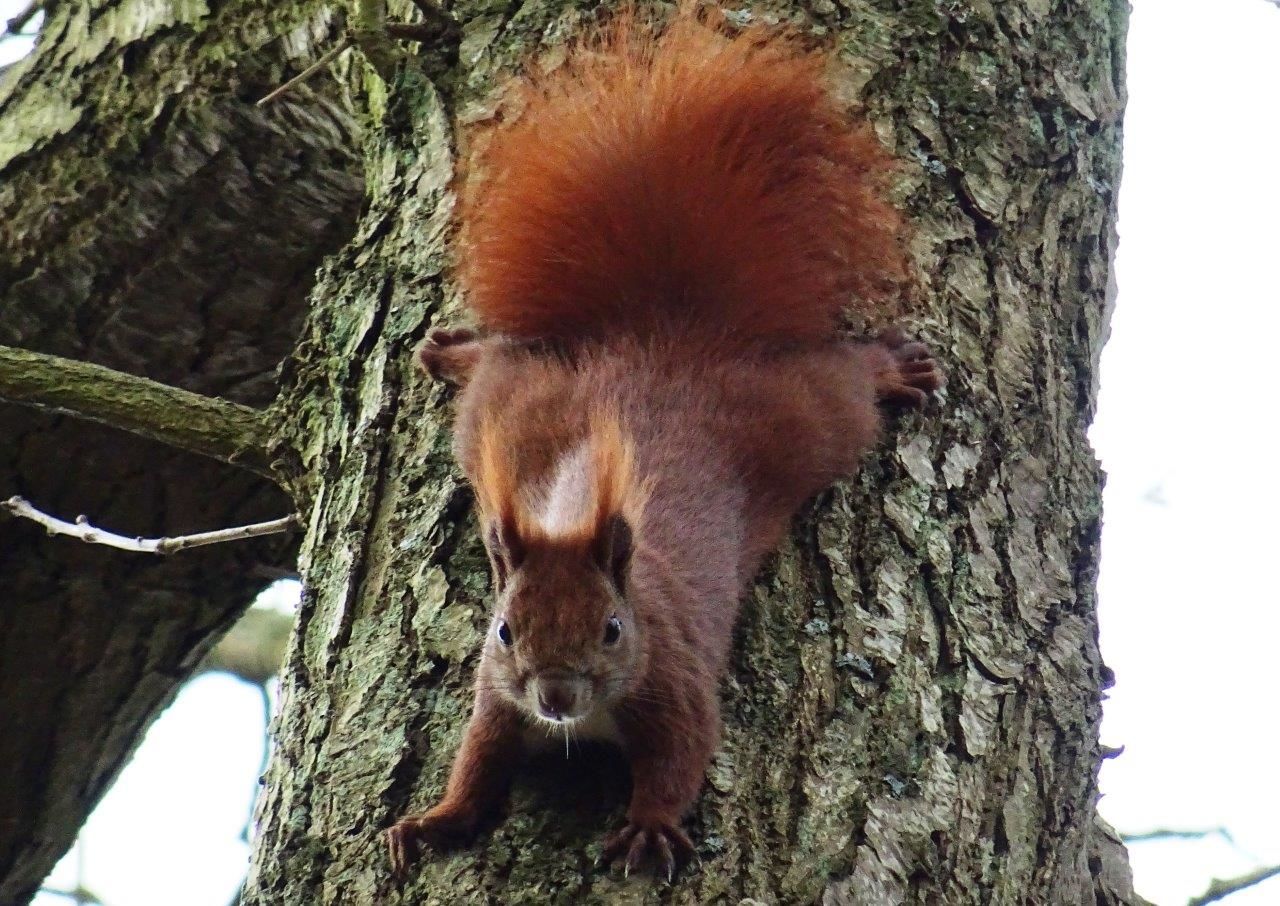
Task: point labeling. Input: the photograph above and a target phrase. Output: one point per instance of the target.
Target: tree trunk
(151, 220)
(912, 713)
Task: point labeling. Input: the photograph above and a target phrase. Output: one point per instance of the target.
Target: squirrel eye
(612, 631)
(504, 633)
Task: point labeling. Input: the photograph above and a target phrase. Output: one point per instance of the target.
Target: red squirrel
(659, 250)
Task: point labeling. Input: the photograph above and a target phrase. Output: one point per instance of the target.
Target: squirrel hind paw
(450, 354)
(910, 373)
(661, 844)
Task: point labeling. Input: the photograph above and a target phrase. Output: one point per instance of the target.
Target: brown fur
(670, 388)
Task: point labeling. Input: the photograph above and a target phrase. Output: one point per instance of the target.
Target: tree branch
(221, 429)
(1220, 889)
(18, 22)
(325, 59)
(1177, 834)
(91, 535)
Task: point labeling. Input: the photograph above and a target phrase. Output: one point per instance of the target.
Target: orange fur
(505, 494)
(616, 491)
(495, 478)
(685, 175)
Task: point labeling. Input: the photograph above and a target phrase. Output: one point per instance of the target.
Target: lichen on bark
(235, 434)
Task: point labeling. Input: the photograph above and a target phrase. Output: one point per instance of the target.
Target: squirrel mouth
(553, 717)
(560, 698)
(558, 717)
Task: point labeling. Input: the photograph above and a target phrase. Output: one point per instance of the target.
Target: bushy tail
(683, 175)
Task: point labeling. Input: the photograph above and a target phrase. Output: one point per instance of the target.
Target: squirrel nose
(557, 696)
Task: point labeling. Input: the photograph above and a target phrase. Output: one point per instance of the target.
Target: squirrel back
(673, 178)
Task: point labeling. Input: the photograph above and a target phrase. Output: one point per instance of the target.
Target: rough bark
(913, 710)
(153, 221)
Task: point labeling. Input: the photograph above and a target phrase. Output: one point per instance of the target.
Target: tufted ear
(506, 551)
(611, 549)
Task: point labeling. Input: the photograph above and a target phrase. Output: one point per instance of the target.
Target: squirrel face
(563, 644)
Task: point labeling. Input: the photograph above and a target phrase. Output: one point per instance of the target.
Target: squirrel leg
(905, 372)
(490, 752)
(450, 354)
(669, 758)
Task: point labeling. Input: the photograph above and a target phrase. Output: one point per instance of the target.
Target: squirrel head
(564, 643)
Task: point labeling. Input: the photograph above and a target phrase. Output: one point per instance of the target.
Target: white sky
(1187, 433)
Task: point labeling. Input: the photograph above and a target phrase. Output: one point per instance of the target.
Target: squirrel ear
(612, 550)
(506, 551)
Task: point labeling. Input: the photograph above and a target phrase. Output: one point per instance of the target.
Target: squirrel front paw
(910, 374)
(450, 353)
(438, 829)
(660, 843)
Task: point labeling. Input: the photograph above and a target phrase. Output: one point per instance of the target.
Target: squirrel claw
(450, 336)
(910, 374)
(402, 848)
(408, 837)
(450, 353)
(662, 844)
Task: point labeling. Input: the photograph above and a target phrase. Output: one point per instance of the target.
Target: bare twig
(18, 22)
(79, 896)
(85, 532)
(371, 32)
(1165, 833)
(213, 427)
(1219, 889)
(326, 58)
